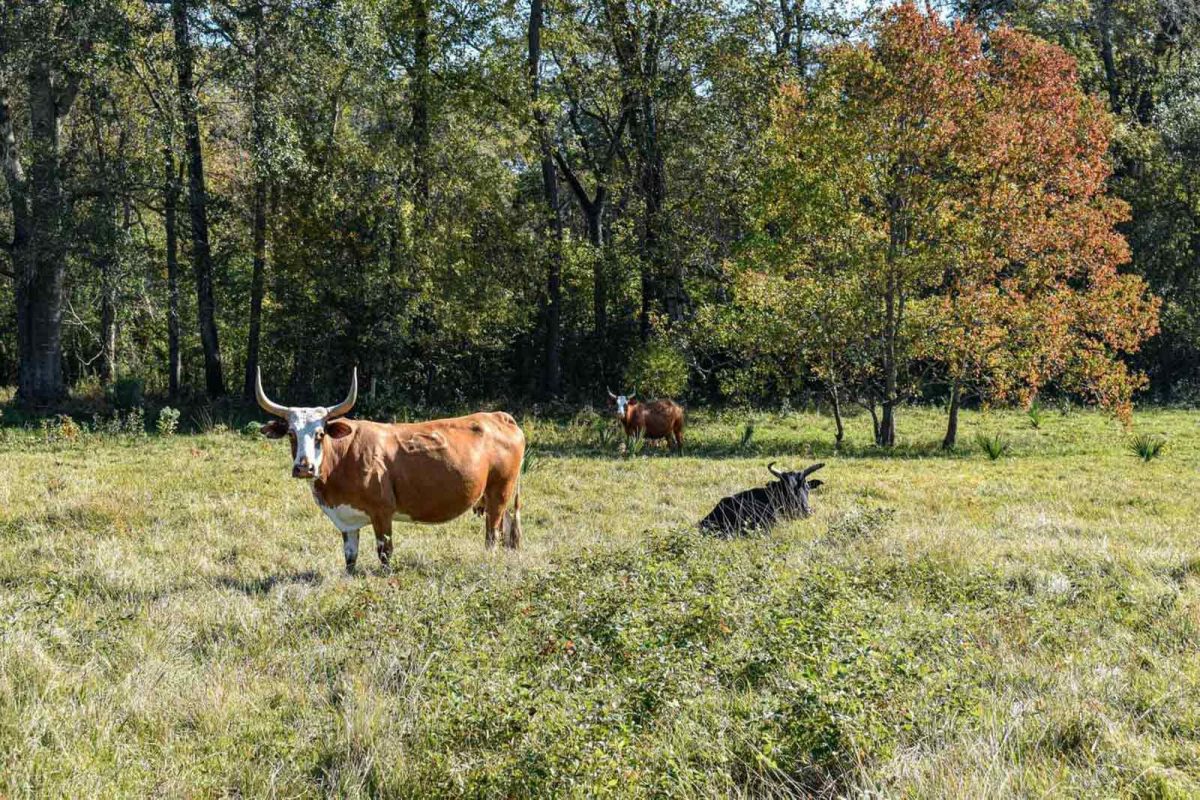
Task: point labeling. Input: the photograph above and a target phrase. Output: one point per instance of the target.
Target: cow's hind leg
(383, 538)
(492, 520)
(498, 521)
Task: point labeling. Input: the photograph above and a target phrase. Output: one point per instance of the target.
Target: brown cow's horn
(610, 393)
(771, 469)
(343, 408)
(265, 402)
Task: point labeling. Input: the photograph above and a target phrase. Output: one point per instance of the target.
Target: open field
(175, 621)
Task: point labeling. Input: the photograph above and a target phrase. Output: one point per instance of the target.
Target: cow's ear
(813, 484)
(337, 429)
(275, 429)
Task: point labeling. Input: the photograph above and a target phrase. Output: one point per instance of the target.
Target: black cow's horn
(343, 408)
(265, 402)
(771, 469)
(810, 470)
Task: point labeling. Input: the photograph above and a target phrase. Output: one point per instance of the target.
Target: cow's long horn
(610, 393)
(265, 402)
(343, 408)
(810, 470)
(771, 469)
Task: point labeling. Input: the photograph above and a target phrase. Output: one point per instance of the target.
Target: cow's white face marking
(308, 426)
(622, 404)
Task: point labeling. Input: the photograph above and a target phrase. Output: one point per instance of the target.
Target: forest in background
(533, 200)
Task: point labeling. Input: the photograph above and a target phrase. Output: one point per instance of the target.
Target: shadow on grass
(266, 584)
(797, 449)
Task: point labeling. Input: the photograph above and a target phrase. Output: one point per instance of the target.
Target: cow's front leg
(383, 538)
(350, 548)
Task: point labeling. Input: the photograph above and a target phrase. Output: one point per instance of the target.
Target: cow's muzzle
(304, 470)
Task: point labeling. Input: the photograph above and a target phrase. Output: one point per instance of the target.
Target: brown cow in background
(658, 419)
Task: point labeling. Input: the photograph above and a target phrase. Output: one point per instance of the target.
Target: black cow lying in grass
(762, 508)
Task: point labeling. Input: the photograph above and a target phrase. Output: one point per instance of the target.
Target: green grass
(175, 621)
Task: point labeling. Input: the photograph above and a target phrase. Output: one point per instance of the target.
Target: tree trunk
(1111, 80)
(887, 425)
(593, 212)
(259, 211)
(108, 318)
(658, 278)
(257, 284)
(951, 438)
(420, 133)
(552, 377)
(595, 226)
(38, 248)
(107, 255)
(791, 40)
(170, 202)
(552, 385)
(206, 311)
(874, 423)
(836, 400)
(637, 48)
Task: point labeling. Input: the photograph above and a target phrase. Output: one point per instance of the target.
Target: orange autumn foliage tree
(961, 186)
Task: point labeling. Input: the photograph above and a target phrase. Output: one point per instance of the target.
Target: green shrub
(61, 429)
(657, 370)
(126, 394)
(131, 423)
(168, 421)
(1147, 447)
(1036, 414)
(603, 431)
(994, 446)
(252, 429)
(747, 435)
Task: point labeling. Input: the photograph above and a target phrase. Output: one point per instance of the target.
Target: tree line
(742, 201)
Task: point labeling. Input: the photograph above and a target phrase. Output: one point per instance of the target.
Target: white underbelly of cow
(348, 518)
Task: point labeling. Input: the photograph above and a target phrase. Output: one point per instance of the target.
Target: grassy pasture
(175, 622)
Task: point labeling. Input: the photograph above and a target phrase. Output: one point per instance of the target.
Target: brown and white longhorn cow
(429, 472)
(658, 419)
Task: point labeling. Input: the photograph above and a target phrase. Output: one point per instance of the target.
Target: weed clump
(168, 421)
(61, 429)
(130, 423)
(1147, 447)
(994, 446)
(1036, 414)
(861, 523)
(747, 435)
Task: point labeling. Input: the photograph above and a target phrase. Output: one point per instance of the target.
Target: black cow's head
(794, 487)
